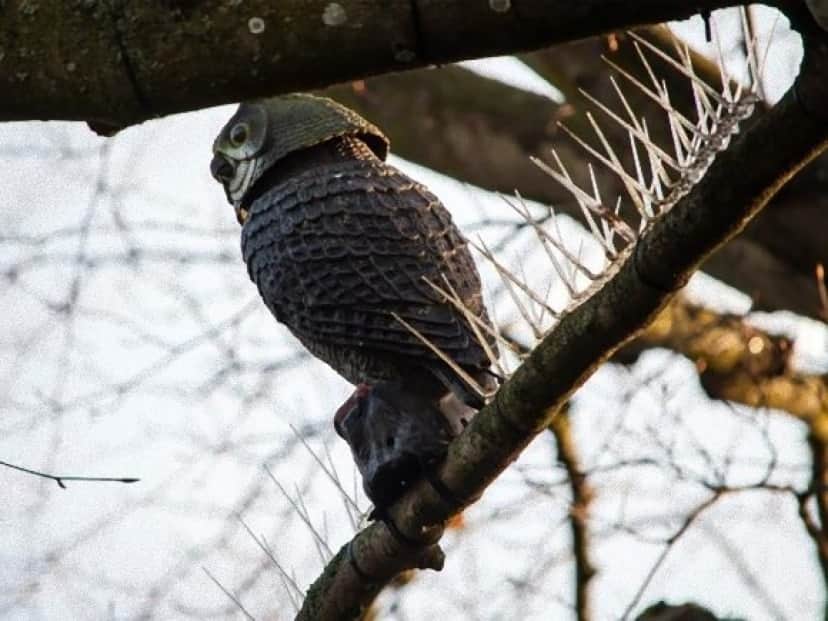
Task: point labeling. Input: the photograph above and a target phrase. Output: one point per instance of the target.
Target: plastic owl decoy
(342, 247)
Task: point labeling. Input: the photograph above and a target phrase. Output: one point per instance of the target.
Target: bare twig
(235, 599)
(668, 546)
(59, 479)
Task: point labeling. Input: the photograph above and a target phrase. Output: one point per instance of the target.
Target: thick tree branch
(717, 209)
(118, 63)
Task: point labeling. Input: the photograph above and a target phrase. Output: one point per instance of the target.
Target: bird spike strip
(658, 180)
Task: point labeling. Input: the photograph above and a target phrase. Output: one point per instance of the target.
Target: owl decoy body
(338, 241)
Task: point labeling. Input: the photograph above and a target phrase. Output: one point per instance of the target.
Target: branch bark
(717, 209)
(118, 63)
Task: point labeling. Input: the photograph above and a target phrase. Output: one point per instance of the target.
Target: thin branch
(232, 597)
(59, 479)
(668, 546)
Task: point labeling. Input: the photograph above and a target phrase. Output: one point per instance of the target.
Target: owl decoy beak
(224, 171)
(242, 215)
(221, 169)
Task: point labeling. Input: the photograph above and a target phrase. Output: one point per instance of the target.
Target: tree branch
(720, 205)
(581, 492)
(818, 531)
(118, 63)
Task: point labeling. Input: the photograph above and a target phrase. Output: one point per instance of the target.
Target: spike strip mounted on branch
(614, 308)
(668, 177)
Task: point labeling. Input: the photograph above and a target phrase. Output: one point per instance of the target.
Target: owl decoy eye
(239, 134)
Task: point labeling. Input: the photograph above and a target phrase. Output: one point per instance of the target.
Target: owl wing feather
(338, 248)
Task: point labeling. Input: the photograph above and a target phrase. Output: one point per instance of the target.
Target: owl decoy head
(264, 131)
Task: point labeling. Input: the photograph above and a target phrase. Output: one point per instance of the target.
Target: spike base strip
(673, 246)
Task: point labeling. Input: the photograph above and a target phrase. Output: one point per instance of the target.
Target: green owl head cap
(264, 131)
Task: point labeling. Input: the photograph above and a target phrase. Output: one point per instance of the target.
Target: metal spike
(636, 191)
(461, 373)
(603, 236)
(596, 189)
(649, 69)
(621, 227)
(639, 173)
(470, 319)
(723, 73)
(509, 279)
(545, 238)
(577, 263)
(511, 345)
(329, 470)
(753, 82)
(683, 52)
(605, 222)
(764, 59)
(660, 175)
(680, 130)
(620, 93)
(676, 135)
(572, 287)
(288, 582)
(676, 65)
(633, 130)
(532, 306)
(546, 299)
(554, 260)
(698, 92)
(614, 166)
(651, 94)
(325, 553)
